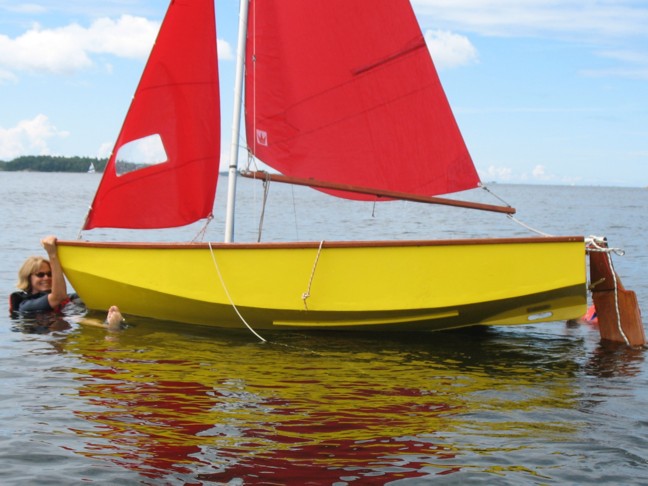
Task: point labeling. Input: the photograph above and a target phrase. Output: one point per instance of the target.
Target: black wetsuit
(24, 302)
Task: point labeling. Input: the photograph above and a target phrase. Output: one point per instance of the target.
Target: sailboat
(91, 168)
(343, 97)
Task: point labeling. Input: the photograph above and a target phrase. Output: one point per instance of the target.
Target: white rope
(220, 277)
(599, 244)
(594, 243)
(306, 294)
(510, 216)
(541, 233)
(616, 301)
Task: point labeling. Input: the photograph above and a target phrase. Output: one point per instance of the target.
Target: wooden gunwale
(325, 244)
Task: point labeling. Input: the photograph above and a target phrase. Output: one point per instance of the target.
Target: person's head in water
(35, 275)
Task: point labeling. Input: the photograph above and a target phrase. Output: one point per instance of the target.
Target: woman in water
(43, 288)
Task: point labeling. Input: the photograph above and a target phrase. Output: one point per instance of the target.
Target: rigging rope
(294, 208)
(594, 244)
(524, 225)
(616, 300)
(599, 244)
(229, 297)
(496, 196)
(266, 190)
(306, 294)
(510, 216)
(201, 233)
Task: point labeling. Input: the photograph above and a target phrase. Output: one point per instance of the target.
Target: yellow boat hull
(413, 286)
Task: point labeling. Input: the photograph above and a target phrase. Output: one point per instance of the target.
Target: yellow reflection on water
(200, 405)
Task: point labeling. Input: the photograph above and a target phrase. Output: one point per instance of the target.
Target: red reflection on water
(367, 462)
(169, 420)
(160, 428)
(314, 446)
(152, 427)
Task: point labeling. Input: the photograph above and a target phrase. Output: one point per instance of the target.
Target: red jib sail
(346, 91)
(169, 145)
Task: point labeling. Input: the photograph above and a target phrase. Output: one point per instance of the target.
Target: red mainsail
(346, 91)
(177, 104)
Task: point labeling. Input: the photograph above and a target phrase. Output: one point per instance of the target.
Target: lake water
(166, 403)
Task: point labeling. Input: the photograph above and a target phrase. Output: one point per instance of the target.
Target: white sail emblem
(262, 137)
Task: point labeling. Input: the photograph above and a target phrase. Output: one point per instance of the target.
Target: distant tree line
(49, 163)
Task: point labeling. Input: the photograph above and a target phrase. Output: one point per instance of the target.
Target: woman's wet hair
(30, 267)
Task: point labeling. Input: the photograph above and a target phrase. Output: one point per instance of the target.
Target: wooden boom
(266, 176)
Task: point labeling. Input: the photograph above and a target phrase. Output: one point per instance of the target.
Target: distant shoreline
(50, 163)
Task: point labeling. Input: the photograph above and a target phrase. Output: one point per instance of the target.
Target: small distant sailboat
(342, 96)
(91, 169)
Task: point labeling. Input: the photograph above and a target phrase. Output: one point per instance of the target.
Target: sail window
(139, 154)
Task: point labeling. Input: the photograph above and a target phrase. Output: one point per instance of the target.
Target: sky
(544, 91)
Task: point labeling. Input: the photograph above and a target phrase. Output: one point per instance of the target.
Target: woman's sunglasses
(43, 274)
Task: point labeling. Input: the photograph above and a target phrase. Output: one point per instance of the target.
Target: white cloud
(28, 136)
(450, 50)
(537, 17)
(69, 49)
(225, 50)
(500, 174)
(128, 37)
(27, 8)
(539, 172)
(601, 24)
(44, 50)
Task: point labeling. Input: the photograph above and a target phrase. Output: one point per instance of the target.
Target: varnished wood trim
(262, 175)
(326, 244)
